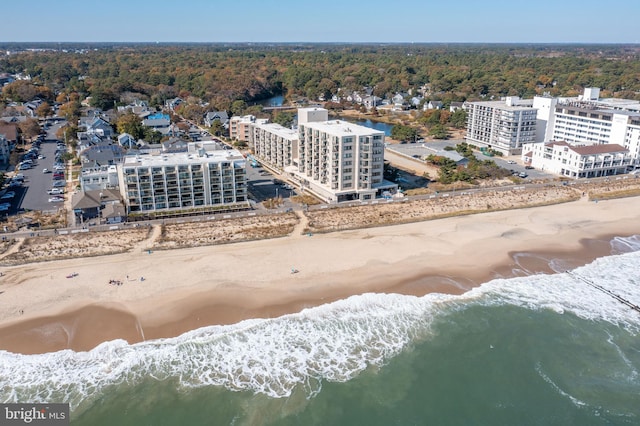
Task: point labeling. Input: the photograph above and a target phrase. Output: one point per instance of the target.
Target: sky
(394, 21)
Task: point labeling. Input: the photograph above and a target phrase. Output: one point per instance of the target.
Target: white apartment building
(339, 160)
(576, 162)
(274, 144)
(501, 125)
(333, 159)
(589, 120)
(205, 176)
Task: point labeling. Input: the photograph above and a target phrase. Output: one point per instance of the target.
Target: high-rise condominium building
(501, 125)
(198, 178)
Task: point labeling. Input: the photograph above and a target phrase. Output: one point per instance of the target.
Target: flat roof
(342, 128)
(164, 159)
(279, 130)
(503, 105)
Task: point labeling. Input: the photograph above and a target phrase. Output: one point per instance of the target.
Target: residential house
(160, 123)
(399, 101)
(212, 116)
(175, 144)
(96, 126)
(10, 131)
(127, 141)
(172, 104)
(371, 101)
(454, 106)
(102, 154)
(90, 204)
(433, 105)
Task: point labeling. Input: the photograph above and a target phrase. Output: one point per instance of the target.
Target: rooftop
(193, 156)
(279, 130)
(341, 127)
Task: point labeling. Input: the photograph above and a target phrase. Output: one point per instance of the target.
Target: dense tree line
(219, 75)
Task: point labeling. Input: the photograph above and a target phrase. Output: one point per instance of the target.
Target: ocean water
(556, 349)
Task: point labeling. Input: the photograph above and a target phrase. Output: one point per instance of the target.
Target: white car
(55, 191)
(46, 171)
(511, 162)
(56, 199)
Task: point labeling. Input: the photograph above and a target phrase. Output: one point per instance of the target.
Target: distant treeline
(223, 73)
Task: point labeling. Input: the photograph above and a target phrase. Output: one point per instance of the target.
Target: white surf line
(605, 291)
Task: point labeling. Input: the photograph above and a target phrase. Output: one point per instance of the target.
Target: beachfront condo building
(204, 177)
(274, 144)
(340, 160)
(589, 120)
(502, 126)
(585, 161)
(333, 159)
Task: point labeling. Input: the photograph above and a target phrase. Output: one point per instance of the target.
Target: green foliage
(459, 119)
(403, 133)
(132, 124)
(151, 136)
(438, 131)
(238, 107)
(220, 74)
(217, 128)
(284, 118)
(475, 170)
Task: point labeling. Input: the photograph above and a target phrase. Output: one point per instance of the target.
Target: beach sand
(41, 310)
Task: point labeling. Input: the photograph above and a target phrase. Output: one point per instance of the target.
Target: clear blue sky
(514, 21)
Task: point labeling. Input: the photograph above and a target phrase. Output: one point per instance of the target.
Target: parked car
(528, 167)
(59, 184)
(55, 191)
(46, 171)
(511, 162)
(523, 175)
(56, 199)
(8, 195)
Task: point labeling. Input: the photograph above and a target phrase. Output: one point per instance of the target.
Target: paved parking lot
(37, 183)
(263, 185)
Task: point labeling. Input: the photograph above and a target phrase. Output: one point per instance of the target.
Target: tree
(459, 119)
(438, 131)
(217, 128)
(70, 111)
(403, 133)
(284, 118)
(238, 107)
(130, 123)
(29, 128)
(44, 110)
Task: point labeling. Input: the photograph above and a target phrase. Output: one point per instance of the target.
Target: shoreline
(229, 283)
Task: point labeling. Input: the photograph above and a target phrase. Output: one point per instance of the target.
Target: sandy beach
(166, 292)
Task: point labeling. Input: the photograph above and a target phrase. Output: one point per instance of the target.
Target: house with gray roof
(93, 204)
(212, 116)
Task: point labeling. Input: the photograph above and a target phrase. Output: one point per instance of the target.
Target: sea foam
(333, 342)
